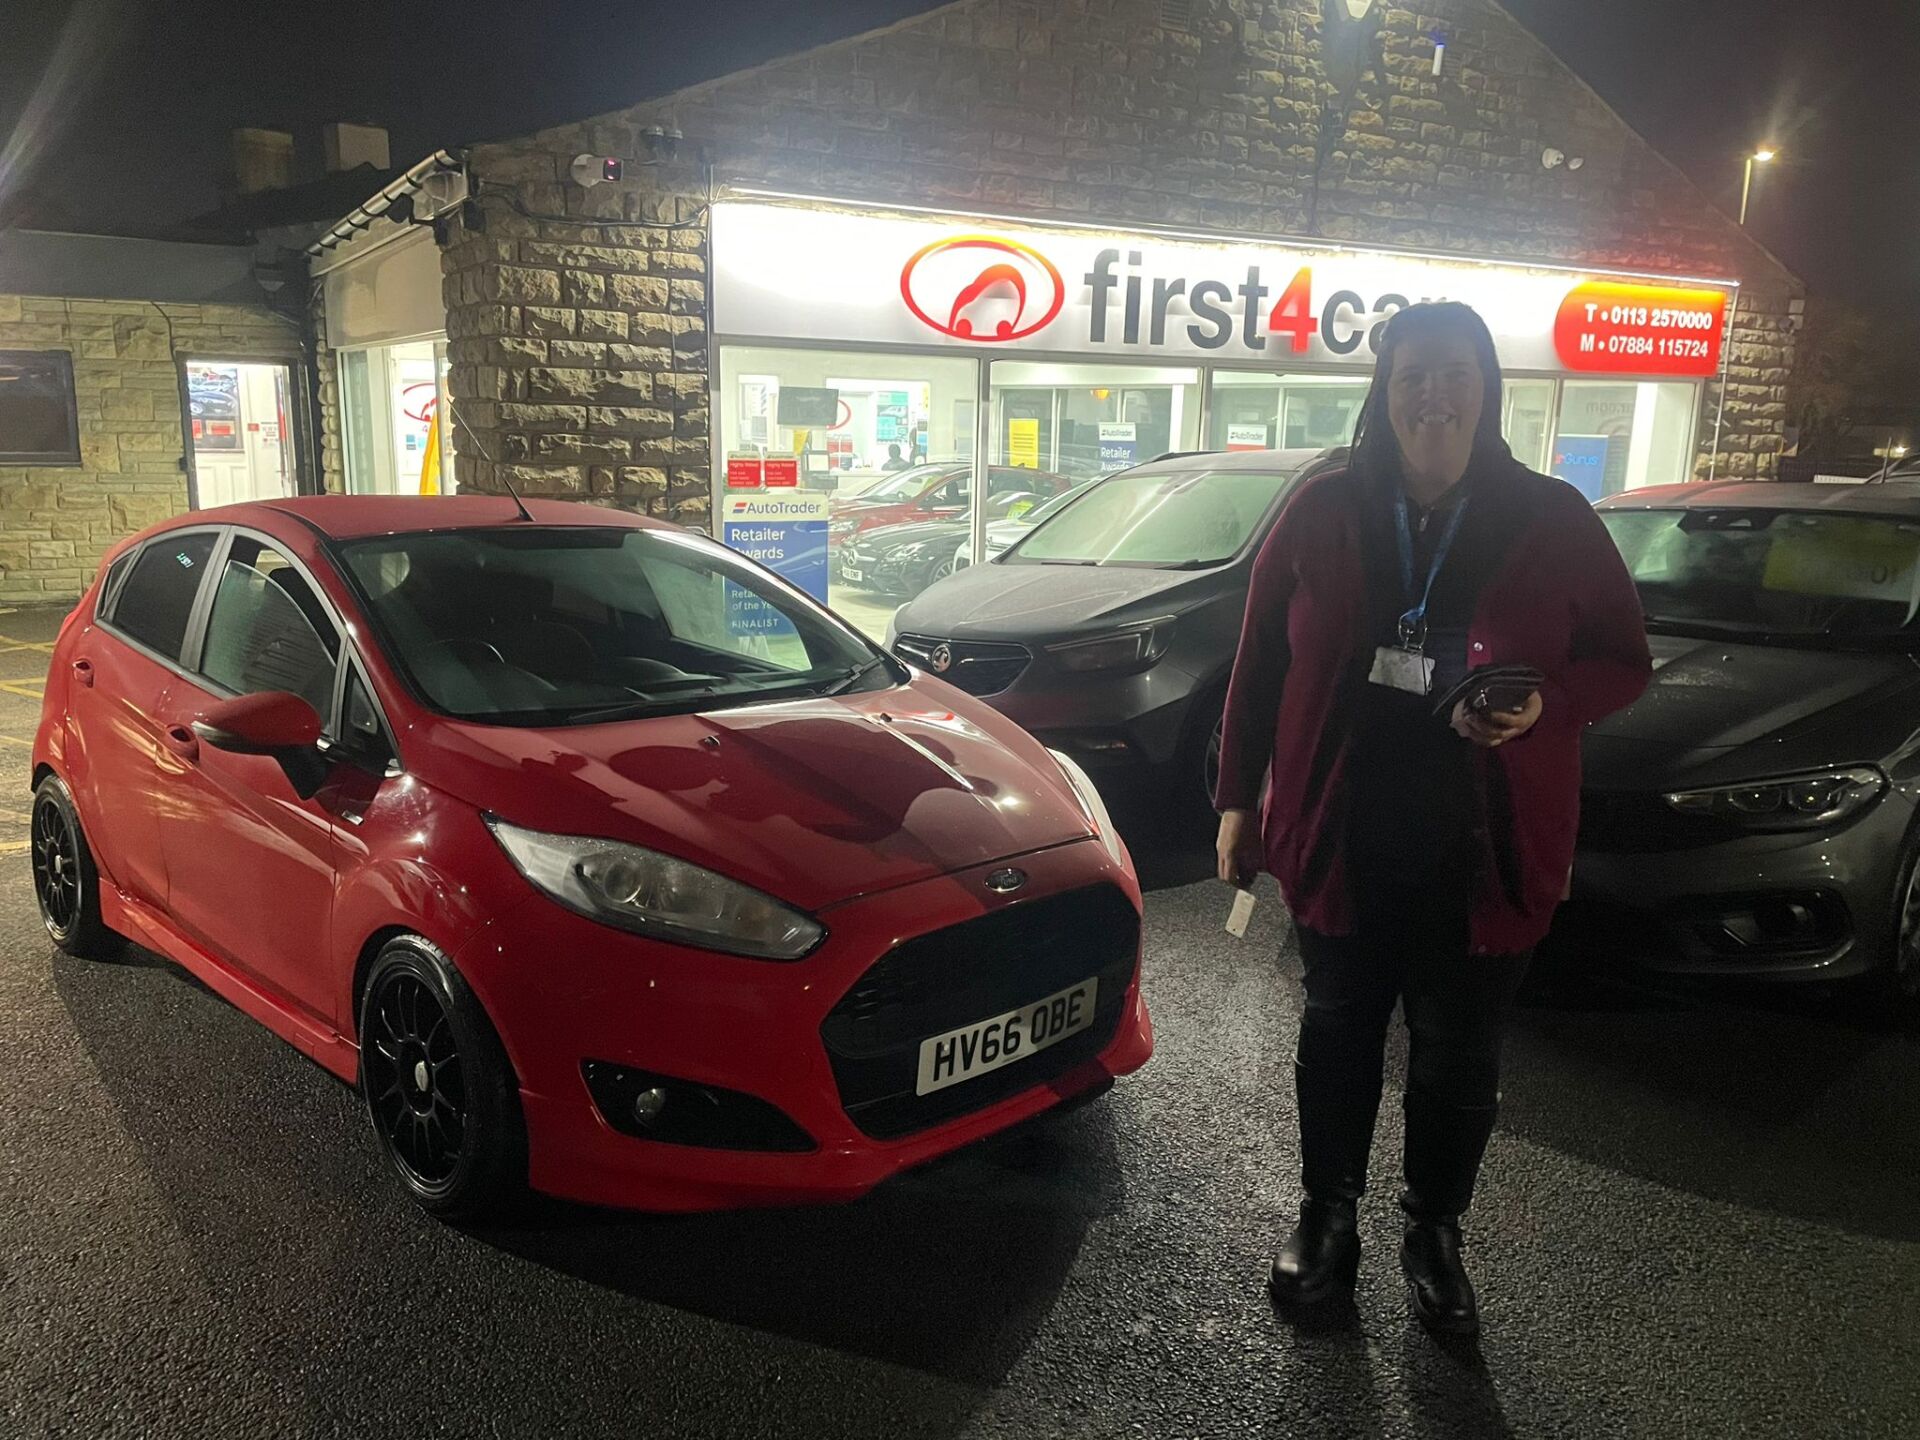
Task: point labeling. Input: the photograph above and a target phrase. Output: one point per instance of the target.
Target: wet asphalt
(1698, 1217)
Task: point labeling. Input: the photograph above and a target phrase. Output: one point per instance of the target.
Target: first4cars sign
(783, 271)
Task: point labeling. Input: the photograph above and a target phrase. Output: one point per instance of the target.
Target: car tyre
(440, 1091)
(66, 883)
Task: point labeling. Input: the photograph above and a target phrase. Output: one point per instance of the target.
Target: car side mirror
(272, 722)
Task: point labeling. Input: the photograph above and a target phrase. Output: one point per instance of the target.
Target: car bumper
(1766, 907)
(1108, 723)
(564, 991)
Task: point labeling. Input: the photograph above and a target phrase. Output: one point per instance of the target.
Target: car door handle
(83, 671)
(181, 741)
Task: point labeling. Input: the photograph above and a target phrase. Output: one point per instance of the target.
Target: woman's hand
(1239, 852)
(1492, 728)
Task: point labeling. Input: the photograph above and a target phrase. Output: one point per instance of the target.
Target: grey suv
(1109, 630)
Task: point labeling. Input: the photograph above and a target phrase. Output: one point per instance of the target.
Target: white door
(240, 419)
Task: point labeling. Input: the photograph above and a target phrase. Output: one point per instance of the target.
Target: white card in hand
(1241, 915)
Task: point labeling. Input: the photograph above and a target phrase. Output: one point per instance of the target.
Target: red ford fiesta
(605, 862)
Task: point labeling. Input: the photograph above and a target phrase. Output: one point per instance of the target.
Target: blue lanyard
(1413, 624)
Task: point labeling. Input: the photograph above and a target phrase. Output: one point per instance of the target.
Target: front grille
(970, 972)
(1628, 822)
(979, 667)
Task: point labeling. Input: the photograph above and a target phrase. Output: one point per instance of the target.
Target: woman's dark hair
(1375, 451)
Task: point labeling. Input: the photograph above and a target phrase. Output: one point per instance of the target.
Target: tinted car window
(268, 630)
(570, 626)
(157, 599)
(1773, 572)
(361, 731)
(1157, 518)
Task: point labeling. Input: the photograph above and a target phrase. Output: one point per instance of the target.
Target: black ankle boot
(1437, 1281)
(1322, 1254)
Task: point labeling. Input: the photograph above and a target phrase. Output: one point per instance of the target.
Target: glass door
(240, 440)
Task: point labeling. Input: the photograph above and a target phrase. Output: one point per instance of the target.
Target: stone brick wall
(56, 520)
(579, 345)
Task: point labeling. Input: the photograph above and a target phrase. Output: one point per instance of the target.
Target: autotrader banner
(787, 533)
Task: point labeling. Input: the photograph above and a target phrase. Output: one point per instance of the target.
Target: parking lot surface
(1698, 1218)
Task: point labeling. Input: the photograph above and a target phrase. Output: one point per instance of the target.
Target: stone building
(617, 340)
(135, 368)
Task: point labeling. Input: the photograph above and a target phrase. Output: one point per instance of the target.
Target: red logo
(976, 287)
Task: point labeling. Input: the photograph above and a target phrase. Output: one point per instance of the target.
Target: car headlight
(1138, 646)
(656, 895)
(1797, 802)
(1091, 805)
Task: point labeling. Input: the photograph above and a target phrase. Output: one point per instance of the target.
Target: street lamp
(1758, 157)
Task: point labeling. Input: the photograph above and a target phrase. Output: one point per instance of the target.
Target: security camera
(591, 170)
(662, 141)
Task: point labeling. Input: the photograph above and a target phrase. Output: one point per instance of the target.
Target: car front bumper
(1765, 907)
(566, 992)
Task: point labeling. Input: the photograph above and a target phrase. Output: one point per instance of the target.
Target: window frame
(187, 666)
(68, 458)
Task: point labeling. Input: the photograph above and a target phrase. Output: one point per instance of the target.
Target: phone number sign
(1607, 328)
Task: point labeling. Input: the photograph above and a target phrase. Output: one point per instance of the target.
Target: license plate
(847, 572)
(1005, 1039)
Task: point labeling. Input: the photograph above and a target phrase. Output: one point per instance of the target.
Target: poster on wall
(782, 472)
(1581, 461)
(1119, 445)
(213, 401)
(743, 471)
(787, 533)
(1023, 444)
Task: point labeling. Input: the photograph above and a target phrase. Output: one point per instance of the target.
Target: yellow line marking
(25, 689)
(15, 847)
(45, 647)
(16, 740)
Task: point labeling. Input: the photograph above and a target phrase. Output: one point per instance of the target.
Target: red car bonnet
(814, 802)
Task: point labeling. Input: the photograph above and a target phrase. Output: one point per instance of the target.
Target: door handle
(181, 741)
(83, 671)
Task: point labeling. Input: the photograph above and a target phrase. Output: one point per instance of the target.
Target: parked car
(1003, 535)
(1753, 814)
(1109, 630)
(902, 560)
(930, 492)
(603, 860)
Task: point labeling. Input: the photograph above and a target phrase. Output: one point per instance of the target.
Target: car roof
(1263, 460)
(356, 517)
(1890, 497)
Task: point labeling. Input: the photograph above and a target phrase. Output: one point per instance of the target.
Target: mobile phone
(1510, 696)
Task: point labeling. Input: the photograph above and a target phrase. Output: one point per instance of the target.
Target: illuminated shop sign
(789, 272)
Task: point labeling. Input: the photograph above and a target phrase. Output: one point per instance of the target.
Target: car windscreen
(1781, 575)
(559, 626)
(1156, 519)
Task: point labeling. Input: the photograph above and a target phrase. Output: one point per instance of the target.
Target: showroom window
(397, 433)
(1080, 421)
(1284, 412)
(1622, 435)
(881, 443)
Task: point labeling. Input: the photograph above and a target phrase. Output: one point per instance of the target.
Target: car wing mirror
(272, 722)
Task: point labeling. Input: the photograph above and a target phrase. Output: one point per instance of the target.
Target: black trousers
(1456, 1006)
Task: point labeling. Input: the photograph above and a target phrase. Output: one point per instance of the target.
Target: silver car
(1753, 813)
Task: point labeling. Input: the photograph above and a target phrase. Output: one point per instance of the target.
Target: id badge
(1399, 669)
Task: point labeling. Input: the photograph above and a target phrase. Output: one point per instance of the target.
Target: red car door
(121, 669)
(250, 863)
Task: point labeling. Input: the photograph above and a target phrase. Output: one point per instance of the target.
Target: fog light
(648, 1104)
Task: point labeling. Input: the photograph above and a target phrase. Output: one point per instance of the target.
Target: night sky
(117, 110)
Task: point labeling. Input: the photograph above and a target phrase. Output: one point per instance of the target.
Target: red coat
(1560, 600)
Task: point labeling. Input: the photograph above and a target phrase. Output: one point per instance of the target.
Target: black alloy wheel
(65, 883)
(439, 1089)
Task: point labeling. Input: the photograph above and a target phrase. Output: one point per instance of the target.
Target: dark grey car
(1753, 813)
(1109, 630)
